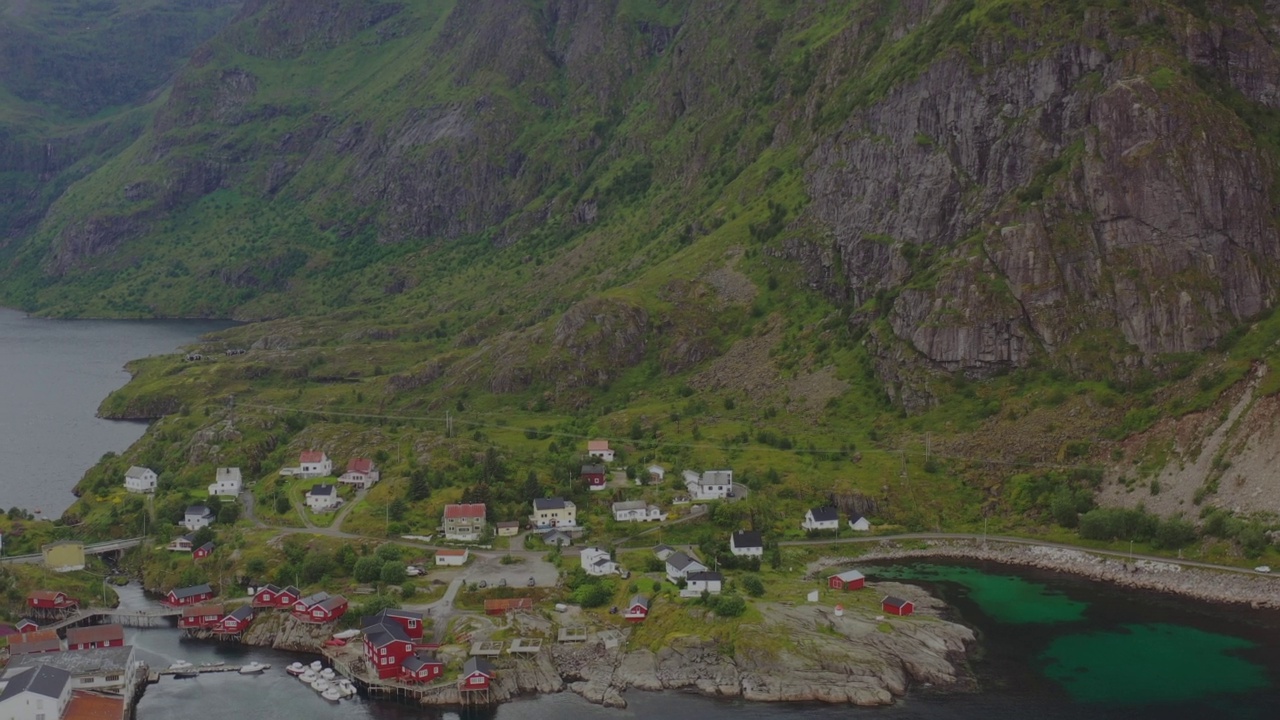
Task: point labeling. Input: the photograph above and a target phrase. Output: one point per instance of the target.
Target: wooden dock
(128, 618)
(155, 675)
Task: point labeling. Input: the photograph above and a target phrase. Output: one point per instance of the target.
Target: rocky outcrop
(280, 630)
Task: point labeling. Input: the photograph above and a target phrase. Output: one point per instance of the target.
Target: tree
(255, 566)
(367, 569)
(419, 488)
(753, 585)
(229, 513)
(202, 536)
(387, 551)
(532, 487)
(315, 566)
(393, 572)
(397, 509)
(283, 505)
(730, 605)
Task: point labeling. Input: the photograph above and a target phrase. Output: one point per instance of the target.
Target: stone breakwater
(1219, 586)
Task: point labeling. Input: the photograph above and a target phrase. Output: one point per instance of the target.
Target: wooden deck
(155, 675)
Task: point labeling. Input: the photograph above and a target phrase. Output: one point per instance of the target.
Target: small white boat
(309, 676)
(317, 665)
(252, 668)
(296, 669)
(346, 687)
(346, 634)
(181, 665)
(332, 695)
(320, 685)
(328, 674)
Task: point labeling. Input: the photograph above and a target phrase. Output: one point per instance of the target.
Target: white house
(657, 474)
(637, 511)
(711, 582)
(710, 485)
(322, 498)
(746, 543)
(553, 513)
(361, 472)
(140, 480)
(102, 668)
(600, 449)
(449, 556)
(196, 517)
(227, 482)
(36, 693)
(680, 565)
(859, 523)
(314, 464)
(596, 561)
(823, 518)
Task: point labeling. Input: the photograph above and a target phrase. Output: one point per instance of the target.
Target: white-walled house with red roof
(464, 522)
(361, 473)
(314, 464)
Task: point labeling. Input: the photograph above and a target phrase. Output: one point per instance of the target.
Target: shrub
(729, 606)
(392, 572)
(367, 569)
(753, 585)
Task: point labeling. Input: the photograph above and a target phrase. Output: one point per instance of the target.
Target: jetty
(158, 617)
(155, 675)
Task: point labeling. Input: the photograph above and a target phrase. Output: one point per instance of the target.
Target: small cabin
(594, 475)
(182, 543)
(203, 551)
(51, 600)
(194, 595)
(327, 611)
(897, 606)
(847, 580)
(637, 609)
(197, 617)
(236, 621)
(477, 674)
(422, 666)
(26, 625)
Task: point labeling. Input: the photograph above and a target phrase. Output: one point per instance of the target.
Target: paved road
(91, 549)
(1019, 541)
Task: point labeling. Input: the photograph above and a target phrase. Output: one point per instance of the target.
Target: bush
(592, 595)
(753, 585)
(389, 552)
(392, 572)
(367, 569)
(729, 605)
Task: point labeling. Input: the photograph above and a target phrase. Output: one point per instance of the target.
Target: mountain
(884, 217)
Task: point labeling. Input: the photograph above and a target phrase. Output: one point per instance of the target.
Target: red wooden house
(203, 551)
(594, 475)
(321, 610)
(271, 596)
(51, 600)
(410, 621)
(422, 666)
(236, 621)
(847, 580)
(638, 609)
(387, 646)
(95, 636)
(195, 595)
(897, 606)
(26, 625)
(195, 617)
(477, 673)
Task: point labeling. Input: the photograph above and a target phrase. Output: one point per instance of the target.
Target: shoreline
(1258, 591)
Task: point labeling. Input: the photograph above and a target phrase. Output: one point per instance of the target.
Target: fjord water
(53, 374)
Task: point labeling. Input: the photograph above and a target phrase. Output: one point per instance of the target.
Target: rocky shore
(1218, 586)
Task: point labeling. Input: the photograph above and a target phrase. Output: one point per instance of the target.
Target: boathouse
(422, 666)
(502, 606)
(477, 673)
(188, 596)
(327, 610)
(236, 621)
(897, 606)
(51, 600)
(197, 617)
(847, 580)
(26, 625)
(386, 647)
(93, 637)
(33, 643)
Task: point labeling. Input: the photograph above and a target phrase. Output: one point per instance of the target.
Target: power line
(449, 420)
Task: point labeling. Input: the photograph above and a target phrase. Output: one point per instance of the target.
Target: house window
(86, 681)
(113, 678)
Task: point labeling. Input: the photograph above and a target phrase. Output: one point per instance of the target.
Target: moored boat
(252, 668)
(317, 665)
(320, 685)
(346, 687)
(331, 694)
(308, 676)
(346, 634)
(296, 669)
(328, 674)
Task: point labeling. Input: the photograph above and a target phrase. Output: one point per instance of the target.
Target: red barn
(195, 617)
(95, 636)
(236, 621)
(387, 646)
(847, 580)
(51, 600)
(410, 621)
(188, 596)
(594, 475)
(477, 673)
(203, 551)
(638, 609)
(422, 667)
(897, 606)
(326, 610)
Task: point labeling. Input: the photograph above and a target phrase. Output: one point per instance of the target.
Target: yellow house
(64, 555)
(553, 513)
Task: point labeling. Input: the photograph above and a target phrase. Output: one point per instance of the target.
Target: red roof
(91, 706)
(360, 465)
(46, 594)
(456, 512)
(593, 445)
(95, 634)
(312, 456)
(202, 610)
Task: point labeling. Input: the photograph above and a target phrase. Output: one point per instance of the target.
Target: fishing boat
(183, 669)
(346, 687)
(296, 669)
(317, 665)
(308, 676)
(331, 694)
(320, 685)
(328, 674)
(253, 668)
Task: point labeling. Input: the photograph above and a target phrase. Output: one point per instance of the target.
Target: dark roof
(385, 633)
(748, 539)
(705, 577)
(42, 680)
(640, 600)
(474, 665)
(592, 469)
(319, 490)
(548, 504)
(333, 603)
(244, 612)
(80, 662)
(192, 591)
(207, 547)
(274, 590)
(825, 514)
(392, 612)
(314, 599)
(292, 591)
(416, 661)
(895, 601)
(681, 561)
(201, 510)
(660, 548)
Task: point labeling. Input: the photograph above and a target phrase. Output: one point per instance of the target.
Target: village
(582, 588)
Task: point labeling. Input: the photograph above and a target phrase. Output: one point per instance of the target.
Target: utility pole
(231, 410)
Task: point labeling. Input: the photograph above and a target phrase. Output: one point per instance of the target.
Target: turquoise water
(1004, 598)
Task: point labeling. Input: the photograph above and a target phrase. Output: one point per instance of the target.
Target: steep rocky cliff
(978, 185)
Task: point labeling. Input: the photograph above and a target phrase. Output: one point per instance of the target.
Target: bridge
(131, 618)
(89, 549)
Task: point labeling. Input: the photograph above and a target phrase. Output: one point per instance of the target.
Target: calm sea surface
(1052, 647)
(53, 375)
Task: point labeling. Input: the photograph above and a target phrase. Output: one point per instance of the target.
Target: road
(91, 549)
(1019, 541)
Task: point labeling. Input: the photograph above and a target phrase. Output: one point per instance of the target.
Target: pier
(155, 675)
(128, 618)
